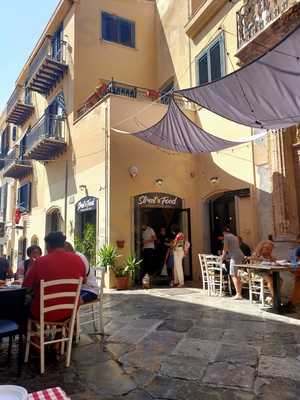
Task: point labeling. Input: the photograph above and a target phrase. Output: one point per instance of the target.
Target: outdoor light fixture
(84, 188)
(159, 182)
(214, 180)
(133, 171)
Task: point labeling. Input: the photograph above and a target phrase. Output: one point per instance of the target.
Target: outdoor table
(275, 269)
(49, 394)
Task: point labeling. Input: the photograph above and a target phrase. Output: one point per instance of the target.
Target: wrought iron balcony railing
(47, 139)
(47, 67)
(255, 15)
(15, 165)
(121, 89)
(19, 107)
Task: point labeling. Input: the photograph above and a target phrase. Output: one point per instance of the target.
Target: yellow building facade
(100, 67)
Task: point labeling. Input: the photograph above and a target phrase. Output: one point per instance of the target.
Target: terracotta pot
(120, 244)
(122, 282)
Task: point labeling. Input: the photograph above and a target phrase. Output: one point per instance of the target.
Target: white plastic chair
(44, 329)
(216, 279)
(92, 312)
(204, 274)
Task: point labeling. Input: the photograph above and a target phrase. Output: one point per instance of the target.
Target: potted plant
(107, 255)
(126, 271)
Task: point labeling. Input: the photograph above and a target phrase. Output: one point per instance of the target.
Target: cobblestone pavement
(177, 344)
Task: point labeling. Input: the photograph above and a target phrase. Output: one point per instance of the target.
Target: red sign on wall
(17, 216)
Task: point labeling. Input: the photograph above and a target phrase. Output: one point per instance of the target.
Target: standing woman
(178, 251)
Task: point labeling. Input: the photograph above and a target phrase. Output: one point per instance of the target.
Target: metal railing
(120, 89)
(19, 94)
(255, 15)
(48, 50)
(16, 156)
(50, 126)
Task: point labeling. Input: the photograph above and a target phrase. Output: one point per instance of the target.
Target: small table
(275, 269)
(49, 394)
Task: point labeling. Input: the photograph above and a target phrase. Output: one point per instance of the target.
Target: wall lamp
(159, 182)
(214, 180)
(84, 188)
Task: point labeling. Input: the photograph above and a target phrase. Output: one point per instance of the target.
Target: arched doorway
(223, 210)
(54, 221)
(22, 245)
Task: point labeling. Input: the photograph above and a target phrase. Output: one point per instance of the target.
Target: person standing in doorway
(149, 238)
(178, 251)
(163, 245)
(232, 249)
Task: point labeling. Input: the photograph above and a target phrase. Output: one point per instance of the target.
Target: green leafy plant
(87, 244)
(108, 255)
(130, 266)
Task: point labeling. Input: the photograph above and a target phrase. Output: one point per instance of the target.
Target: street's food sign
(87, 203)
(157, 200)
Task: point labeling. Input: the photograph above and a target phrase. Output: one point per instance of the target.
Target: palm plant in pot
(126, 271)
(108, 256)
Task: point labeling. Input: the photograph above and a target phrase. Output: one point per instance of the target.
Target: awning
(263, 94)
(176, 132)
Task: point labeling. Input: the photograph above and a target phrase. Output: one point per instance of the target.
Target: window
(24, 198)
(118, 30)
(57, 41)
(14, 133)
(5, 141)
(3, 202)
(211, 62)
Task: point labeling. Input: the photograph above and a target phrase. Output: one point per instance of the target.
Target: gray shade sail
(263, 94)
(176, 132)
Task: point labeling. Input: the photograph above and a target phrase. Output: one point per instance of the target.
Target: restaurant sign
(87, 203)
(157, 200)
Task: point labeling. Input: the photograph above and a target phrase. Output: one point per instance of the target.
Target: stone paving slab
(287, 367)
(204, 349)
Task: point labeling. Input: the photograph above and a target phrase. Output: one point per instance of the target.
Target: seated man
(90, 289)
(57, 264)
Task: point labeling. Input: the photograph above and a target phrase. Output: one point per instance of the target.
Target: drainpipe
(190, 44)
(66, 196)
(106, 188)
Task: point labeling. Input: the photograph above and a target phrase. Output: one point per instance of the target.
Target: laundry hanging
(176, 132)
(263, 94)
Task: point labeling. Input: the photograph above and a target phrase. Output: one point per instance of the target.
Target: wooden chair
(45, 330)
(92, 312)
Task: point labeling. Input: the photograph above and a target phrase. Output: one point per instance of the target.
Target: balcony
(262, 24)
(15, 166)
(46, 140)
(202, 13)
(120, 89)
(48, 67)
(19, 107)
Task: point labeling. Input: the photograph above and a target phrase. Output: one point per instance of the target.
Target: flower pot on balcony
(122, 282)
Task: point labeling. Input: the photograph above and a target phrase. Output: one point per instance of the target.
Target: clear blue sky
(21, 24)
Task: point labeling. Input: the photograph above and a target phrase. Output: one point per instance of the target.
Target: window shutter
(215, 62)
(14, 133)
(203, 69)
(28, 197)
